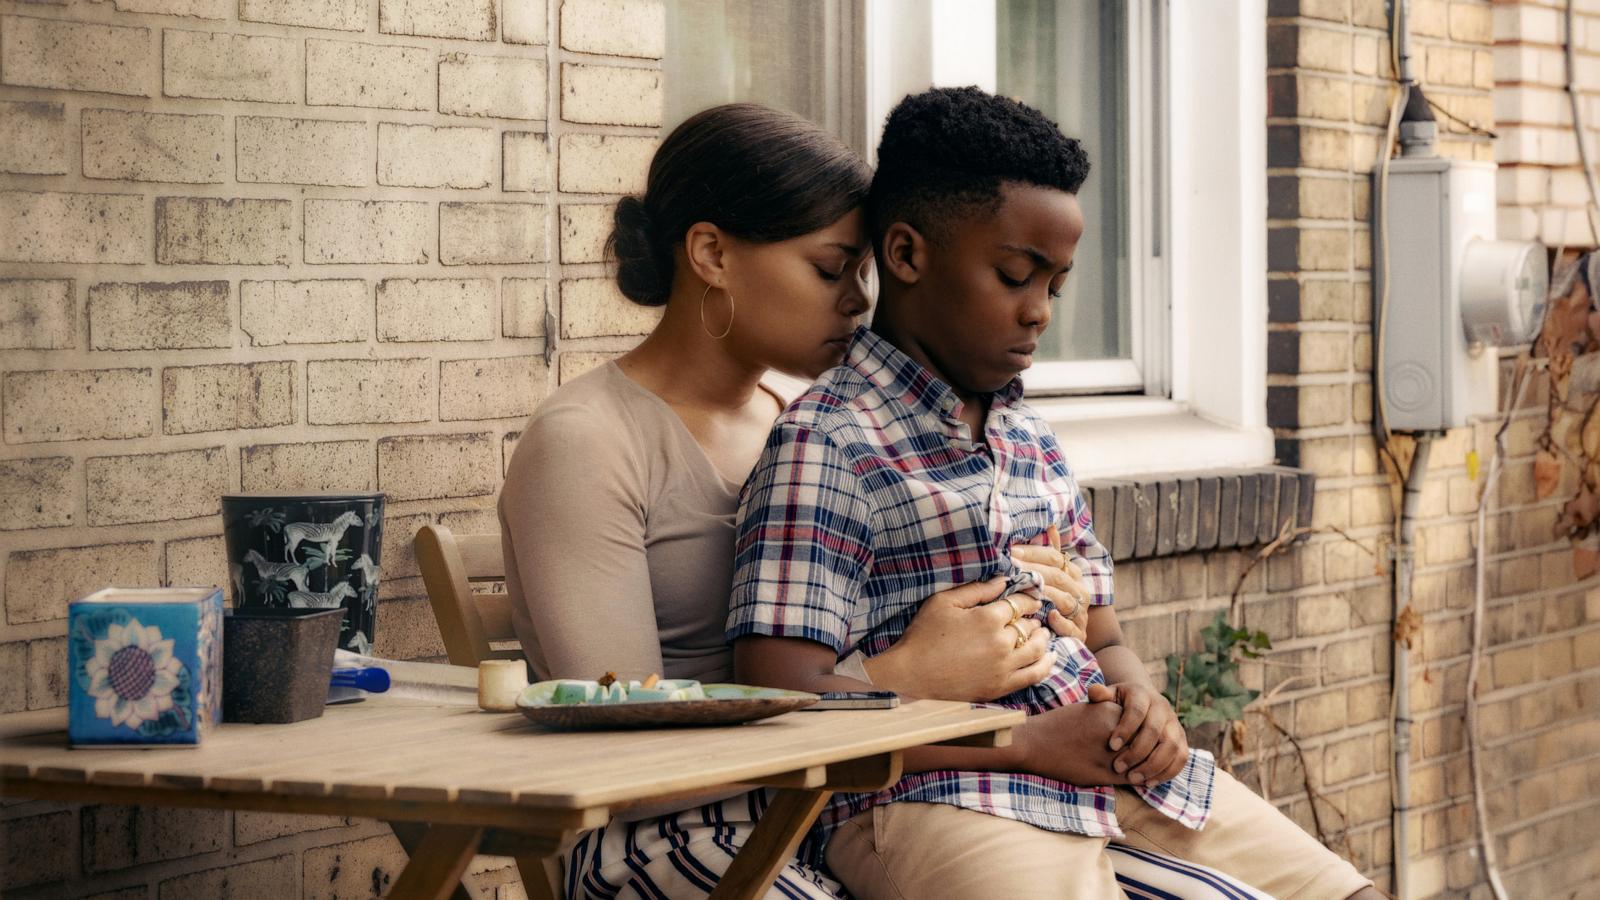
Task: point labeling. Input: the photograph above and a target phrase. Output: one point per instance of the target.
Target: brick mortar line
(158, 23)
(1516, 692)
(84, 360)
(238, 438)
(1515, 825)
(1583, 852)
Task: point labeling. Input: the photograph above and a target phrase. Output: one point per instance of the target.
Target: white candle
(499, 683)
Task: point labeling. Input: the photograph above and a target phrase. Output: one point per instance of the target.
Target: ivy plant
(1204, 687)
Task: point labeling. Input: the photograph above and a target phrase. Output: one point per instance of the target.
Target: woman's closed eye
(829, 274)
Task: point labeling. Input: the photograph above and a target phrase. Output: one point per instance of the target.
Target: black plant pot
(276, 663)
(308, 551)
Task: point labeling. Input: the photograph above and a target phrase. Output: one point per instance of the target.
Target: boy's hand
(1064, 586)
(1152, 744)
(1068, 743)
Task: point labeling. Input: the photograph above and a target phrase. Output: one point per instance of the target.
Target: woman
(618, 505)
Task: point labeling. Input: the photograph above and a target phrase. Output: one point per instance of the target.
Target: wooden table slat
(369, 750)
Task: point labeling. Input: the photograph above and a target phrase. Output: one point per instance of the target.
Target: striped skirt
(682, 855)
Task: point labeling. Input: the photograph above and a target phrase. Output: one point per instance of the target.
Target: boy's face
(990, 284)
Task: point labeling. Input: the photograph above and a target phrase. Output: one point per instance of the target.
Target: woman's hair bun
(756, 173)
(644, 271)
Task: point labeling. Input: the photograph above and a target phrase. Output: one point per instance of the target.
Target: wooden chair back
(470, 622)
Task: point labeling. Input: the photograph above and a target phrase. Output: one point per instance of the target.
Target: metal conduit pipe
(1404, 558)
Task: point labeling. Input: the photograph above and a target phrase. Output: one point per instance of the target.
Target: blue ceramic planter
(145, 666)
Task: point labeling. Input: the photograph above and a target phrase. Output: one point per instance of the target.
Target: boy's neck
(974, 407)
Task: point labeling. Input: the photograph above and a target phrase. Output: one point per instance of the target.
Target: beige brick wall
(1542, 189)
(349, 244)
(273, 245)
(1326, 605)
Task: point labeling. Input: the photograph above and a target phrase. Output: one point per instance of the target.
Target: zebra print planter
(307, 551)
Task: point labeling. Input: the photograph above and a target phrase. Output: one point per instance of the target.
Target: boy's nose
(1035, 312)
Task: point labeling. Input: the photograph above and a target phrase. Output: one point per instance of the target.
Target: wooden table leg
(436, 867)
(541, 876)
(410, 835)
(771, 845)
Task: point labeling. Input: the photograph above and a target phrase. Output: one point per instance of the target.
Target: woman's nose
(862, 291)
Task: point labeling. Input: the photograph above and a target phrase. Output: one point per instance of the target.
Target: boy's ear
(704, 245)
(905, 253)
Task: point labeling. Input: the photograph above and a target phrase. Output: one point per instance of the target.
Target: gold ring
(1022, 636)
(1064, 560)
(1016, 611)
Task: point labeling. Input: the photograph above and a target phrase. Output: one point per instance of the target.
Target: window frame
(1203, 400)
(1203, 404)
(952, 42)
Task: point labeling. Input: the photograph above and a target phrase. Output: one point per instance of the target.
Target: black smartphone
(856, 700)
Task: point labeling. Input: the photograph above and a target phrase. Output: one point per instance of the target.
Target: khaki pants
(911, 851)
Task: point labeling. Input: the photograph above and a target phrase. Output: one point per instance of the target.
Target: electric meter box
(1454, 294)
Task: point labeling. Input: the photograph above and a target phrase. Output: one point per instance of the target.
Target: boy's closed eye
(1019, 271)
(1057, 284)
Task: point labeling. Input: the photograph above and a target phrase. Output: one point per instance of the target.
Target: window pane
(784, 54)
(1069, 59)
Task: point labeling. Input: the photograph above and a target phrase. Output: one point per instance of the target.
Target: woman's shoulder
(594, 415)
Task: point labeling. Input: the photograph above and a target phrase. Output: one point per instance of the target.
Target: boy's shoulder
(829, 402)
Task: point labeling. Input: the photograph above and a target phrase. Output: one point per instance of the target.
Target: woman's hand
(1064, 586)
(964, 645)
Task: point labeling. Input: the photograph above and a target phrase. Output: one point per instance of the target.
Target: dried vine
(1568, 340)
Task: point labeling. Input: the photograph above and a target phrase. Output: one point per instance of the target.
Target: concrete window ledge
(1161, 515)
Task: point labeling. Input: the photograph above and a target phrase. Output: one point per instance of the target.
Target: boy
(909, 469)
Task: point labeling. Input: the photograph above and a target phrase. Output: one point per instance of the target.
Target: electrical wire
(1519, 387)
(1381, 235)
(1472, 127)
(1400, 63)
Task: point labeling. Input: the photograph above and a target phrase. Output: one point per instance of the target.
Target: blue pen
(370, 679)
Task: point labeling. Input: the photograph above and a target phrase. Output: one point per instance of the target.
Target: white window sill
(1120, 437)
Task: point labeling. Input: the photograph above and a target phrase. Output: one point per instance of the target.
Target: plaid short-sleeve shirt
(871, 496)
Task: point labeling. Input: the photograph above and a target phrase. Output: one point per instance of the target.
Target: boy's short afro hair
(946, 151)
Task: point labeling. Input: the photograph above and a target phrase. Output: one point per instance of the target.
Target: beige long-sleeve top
(617, 533)
(618, 537)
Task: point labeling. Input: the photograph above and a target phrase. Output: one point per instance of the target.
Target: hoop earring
(706, 328)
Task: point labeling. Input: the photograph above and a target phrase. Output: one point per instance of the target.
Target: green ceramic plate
(725, 704)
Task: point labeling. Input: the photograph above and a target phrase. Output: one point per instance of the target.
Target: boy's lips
(1023, 354)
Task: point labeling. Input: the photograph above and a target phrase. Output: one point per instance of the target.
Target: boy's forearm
(1038, 747)
(1117, 661)
(968, 759)
(1123, 666)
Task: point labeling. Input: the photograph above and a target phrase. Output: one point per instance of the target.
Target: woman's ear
(704, 245)
(905, 253)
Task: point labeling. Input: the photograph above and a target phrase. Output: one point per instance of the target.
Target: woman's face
(796, 302)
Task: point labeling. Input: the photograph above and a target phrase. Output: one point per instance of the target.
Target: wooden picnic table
(455, 781)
